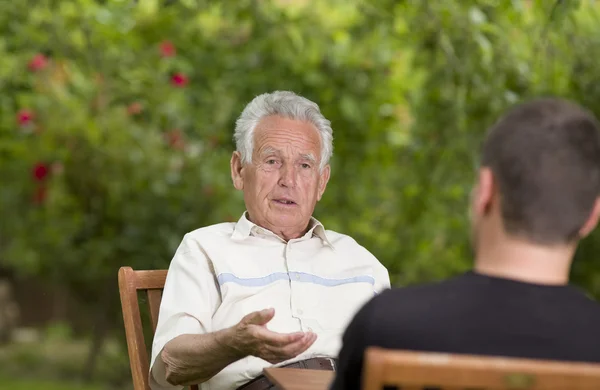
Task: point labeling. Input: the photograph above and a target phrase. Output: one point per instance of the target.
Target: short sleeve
(190, 298)
(378, 270)
(349, 371)
(382, 278)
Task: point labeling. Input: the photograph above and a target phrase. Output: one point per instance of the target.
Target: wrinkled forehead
(286, 137)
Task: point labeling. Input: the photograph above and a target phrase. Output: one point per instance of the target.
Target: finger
(301, 344)
(278, 354)
(275, 339)
(259, 317)
(310, 339)
(293, 350)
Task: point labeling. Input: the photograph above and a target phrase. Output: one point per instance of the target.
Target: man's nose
(288, 176)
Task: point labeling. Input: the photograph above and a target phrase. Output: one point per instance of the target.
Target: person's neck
(521, 260)
(285, 233)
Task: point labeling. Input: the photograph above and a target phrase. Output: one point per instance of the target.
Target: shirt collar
(245, 228)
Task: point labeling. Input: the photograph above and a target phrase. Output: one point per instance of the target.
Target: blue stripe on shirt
(293, 276)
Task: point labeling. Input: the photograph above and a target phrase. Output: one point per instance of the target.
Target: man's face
(283, 183)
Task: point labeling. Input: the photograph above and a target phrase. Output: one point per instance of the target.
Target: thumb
(260, 317)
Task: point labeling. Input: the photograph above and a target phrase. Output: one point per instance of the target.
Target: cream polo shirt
(222, 272)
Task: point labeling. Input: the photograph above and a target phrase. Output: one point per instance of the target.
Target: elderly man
(275, 287)
(537, 195)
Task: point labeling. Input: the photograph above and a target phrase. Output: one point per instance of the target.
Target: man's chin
(286, 219)
(284, 222)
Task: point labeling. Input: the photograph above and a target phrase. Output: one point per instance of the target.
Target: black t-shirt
(474, 314)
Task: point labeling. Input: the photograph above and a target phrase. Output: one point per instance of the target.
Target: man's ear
(323, 180)
(592, 220)
(237, 166)
(484, 192)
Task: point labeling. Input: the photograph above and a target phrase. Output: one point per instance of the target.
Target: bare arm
(195, 358)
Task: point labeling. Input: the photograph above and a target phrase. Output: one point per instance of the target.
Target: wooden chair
(420, 370)
(152, 283)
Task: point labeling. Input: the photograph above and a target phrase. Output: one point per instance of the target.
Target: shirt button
(309, 329)
(297, 277)
(300, 312)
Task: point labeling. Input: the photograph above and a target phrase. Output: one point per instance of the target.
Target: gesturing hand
(253, 338)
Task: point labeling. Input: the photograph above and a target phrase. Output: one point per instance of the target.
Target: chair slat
(152, 283)
(373, 371)
(147, 280)
(154, 297)
(132, 320)
(449, 371)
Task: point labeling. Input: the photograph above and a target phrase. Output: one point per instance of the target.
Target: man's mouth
(284, 201)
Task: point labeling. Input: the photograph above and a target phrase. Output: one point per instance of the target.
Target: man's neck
(524, 261)
(285, 233)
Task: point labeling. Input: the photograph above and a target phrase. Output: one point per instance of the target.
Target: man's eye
(305, 166)
(271, 161)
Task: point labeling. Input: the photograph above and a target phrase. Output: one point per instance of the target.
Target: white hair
(288, 105)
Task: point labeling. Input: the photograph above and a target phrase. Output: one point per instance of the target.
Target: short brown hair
(545, 157)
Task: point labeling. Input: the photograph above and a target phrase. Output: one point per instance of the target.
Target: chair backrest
(419, 370)
(151, 283)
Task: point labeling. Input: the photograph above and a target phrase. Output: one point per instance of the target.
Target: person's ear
(592, 220)
(237, 167)
(323, 180)
(482, 197)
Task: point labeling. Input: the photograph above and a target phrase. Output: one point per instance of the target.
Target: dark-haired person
(537, 195)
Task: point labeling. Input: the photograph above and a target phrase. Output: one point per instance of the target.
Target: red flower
(38, 62)
(40, 171)
(40, 194)
(167, 49)
(175, 139)
(134, 108)
(24, 117)
(179, 80)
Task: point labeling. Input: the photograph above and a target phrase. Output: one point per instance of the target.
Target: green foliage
(26, 384)
(137, 139)
(58, 331)
(54, 359)
(60, 361)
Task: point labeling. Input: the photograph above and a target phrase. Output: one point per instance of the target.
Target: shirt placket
(297, 298)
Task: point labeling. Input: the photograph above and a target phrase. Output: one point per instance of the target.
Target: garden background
(116, 121)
